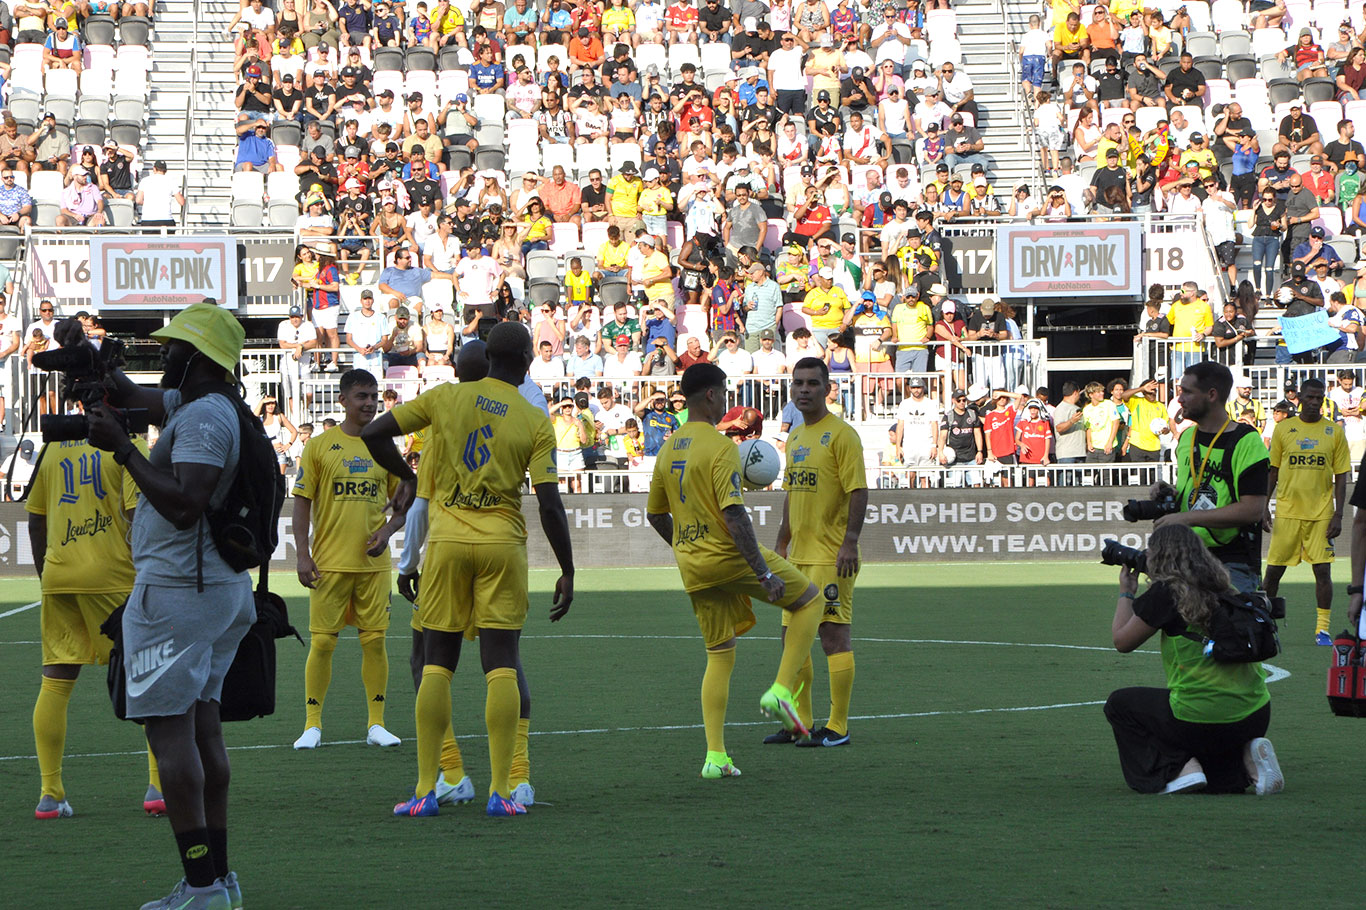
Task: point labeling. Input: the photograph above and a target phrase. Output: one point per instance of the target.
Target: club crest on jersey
(1328, 431)
(832, 593)
(799, 454)
(825, 439)
(357, 465)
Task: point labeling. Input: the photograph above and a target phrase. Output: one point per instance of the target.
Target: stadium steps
(213, 142)
(981, 26)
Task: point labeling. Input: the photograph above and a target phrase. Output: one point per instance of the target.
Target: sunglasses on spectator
(46, 309)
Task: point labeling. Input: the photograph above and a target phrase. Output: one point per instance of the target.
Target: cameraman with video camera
(1221, 487)
(189, 609)
(1207, 729)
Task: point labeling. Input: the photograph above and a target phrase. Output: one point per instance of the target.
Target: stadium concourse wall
(610, 530)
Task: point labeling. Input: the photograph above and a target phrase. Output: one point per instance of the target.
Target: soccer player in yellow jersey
(342, 493)
(79, 505)
(696, 504)
(827, 497)
(1310, 463)
(475, 573)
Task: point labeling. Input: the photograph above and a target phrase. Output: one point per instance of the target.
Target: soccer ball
(1158, 426)
(759, 463)
(950, 456)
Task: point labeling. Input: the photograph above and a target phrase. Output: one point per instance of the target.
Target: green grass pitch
(979, 775)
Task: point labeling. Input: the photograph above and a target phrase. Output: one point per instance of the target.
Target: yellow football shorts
(724, 611)
(341, 599)
(70, 626)
(469, 586)
(837, 594)
(1293, 540)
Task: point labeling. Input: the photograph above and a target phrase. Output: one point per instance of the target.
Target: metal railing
(1167, 358)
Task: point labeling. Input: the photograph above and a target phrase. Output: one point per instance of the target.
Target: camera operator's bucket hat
(214, 332)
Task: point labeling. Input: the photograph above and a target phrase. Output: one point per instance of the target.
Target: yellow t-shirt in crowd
(623, 196)
(348, 491)
(835, 298)
(576, 286)
(868, 329)
(612, 257)
(1307, 457)
(492, 438)
(84, 496)
(824, 465)
(1186, 318)
(655, 200)
(697, 475)
(567, 432)
(1144, 412)
(1066, 39)
(913, 323)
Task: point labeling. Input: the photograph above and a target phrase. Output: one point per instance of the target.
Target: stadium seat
(45, 186)
(543, 292)
(1346, 247)
(1227, 16)
(1244, 67)
(1327, 15)
(1273, 67)
(126, 132)
(388, 60)
(715, 58)
(420, 60)
(623, 152)
(523, 145)
(286, 132)
(1316, 90)
(1235, 43)
(118, 212)
(283, 208)
(903, 152)
(99, 30)
(450, 83)
(566, 238)
(588, 157)
(1330, 219)
(436, 374)
(680, 54)
(438, 293)
(945, 50)
(556, 153)
(1218, 91)
(1355, 111)
(98, 58)
(594, 236)
(90, 132)
(1210, 68)
(489, 159)
(248, 194)
(134, 30)
(542, 265)
(135, 58)
(423, 82)
(388, 80)
(1326, 114)
(1202, 44)
(613, 291)
(489, 133)
(1195, 115)
(1145, 118)
(488, 107)
(458, 157)
(1283, 91)
(288, 156)
(450, 58)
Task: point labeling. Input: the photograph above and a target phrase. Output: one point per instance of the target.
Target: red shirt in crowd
(1034, 438)
(999, 428)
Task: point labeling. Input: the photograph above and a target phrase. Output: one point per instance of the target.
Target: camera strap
(1204, 462)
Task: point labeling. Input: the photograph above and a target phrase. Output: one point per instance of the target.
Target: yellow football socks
(452, 762)
(433, 716)
(521, 758)
(805, 676)
(715, 695)
(801, 632)
(317, 676)
(502, 705)
(49, 732)
(841, 689)
(374, 672)
(153, 773)
(1325, 619)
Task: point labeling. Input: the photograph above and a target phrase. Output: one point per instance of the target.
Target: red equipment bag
(1347, 676)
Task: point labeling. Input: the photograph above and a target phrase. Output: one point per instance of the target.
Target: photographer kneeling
(1206, 730)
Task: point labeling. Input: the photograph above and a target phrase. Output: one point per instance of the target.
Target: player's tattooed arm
(663, 525)
(742, 532)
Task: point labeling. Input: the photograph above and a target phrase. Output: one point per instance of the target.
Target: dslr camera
(88, 377)
(1115, 553)
(1150, 509)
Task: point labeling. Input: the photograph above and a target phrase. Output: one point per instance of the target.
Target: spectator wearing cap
(115, 174)
(294, 336)
(255, 151)
(320, 99)
(62, 49)
(825, 305)
(288, 100)
(1320, 182)
(404, 345)
(763, 300)
(1314, 251)
(825, 63)
(872, 330)
(623, 198)
(912, 321)
(253, 99)
(1298, 134)
(963, 144)
(82, 203)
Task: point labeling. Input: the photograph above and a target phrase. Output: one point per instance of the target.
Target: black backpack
(249, 687)
(245, 526)
(1241, 629)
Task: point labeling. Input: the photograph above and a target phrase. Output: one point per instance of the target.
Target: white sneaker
(1187, 783)
(524, 795)
(378, 736)
(310, 740)
(183, 897)
(1262, 766)
(448, 795)
(234, 890)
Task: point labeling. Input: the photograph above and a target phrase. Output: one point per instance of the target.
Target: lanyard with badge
(1204, 463)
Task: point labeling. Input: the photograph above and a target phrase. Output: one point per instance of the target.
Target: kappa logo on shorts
(832, 593)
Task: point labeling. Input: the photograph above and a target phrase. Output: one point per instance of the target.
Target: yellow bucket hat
(214, 332)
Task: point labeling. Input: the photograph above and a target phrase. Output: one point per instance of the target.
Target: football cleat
(183, 897)
(524, 794)
(1323, 639)
(1263, 767)
(378, 736)
(49, 807)
(778, 702)
(717, 766)
(499, 807)
(310, 740)
(418, 806)
(824, 737)
(453, 795)
(234, 890)
(154, 804)
(781, 738)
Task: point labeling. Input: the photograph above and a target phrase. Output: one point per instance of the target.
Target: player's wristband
(1126, 595)
(766, 576)
(1354, 589)
(122, 454)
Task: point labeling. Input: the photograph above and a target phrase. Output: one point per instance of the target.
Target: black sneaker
(825, 737)
(781, 738)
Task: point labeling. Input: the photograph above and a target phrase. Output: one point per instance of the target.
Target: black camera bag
(1241, 629)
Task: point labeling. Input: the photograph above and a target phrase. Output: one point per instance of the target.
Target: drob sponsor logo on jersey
(797, 480)
(1307, 461)
(365, 489)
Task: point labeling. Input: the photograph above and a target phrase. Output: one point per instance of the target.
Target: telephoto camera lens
(1115, 553)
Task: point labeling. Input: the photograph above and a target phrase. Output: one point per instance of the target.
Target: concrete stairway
(982, 29)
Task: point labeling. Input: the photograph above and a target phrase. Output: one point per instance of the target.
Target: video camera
(88, 374)
(1115, 553)
(1150, 509)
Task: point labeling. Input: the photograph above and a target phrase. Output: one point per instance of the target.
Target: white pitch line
(20, 609)
(640, 729)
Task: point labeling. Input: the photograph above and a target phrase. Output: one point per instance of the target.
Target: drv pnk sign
(143, 273)
(1070, 260)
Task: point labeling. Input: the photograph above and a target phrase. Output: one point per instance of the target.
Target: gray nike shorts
(179, 643)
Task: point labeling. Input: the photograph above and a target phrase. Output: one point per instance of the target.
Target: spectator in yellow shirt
(623, 198)
(1070, 41)
(612, 256)
(825, 305)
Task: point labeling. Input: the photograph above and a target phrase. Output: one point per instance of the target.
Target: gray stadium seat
(99, 30)
(92, 107)
(1211, 68)
(127, 107)
(91, 132)
(1346, 247)
(45, 214)
(286, 132)
(449, 58)
(5, 53)
(1283, 91)
(1202, 44)
(1316, 90)
(1240, 68)
(25, 107)
(284, 212)
(1235, 43)
(64, 109)
(247, 213)
(388, 59)
(134, 30)
(544, 292)
(458, 157)
(11, 242)
(1274, 68)
(420, 59)
(490, 159)
(613, 291)
(329, 130)
(903, 152)
(126, 132)
(542, 265)
(489, 135)
(118, 212)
